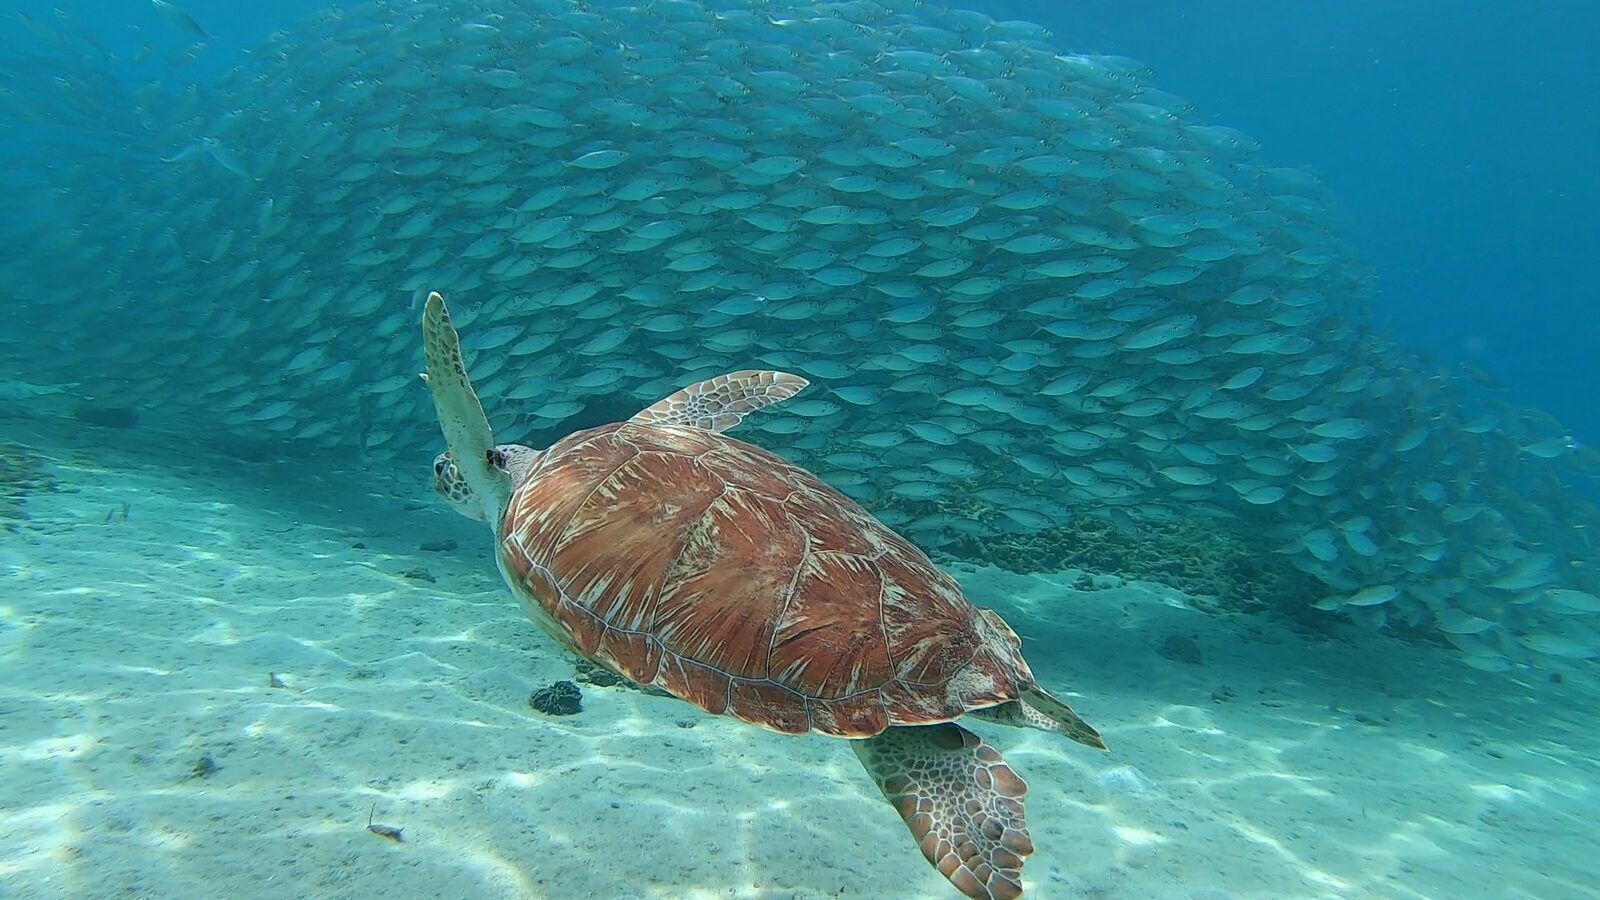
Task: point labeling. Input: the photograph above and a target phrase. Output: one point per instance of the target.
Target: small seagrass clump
(560, 699)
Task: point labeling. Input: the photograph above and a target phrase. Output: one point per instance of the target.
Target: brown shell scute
(728, 589)
(826, 610)
(741, 583)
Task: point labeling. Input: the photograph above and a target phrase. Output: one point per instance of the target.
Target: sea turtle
(681, 558)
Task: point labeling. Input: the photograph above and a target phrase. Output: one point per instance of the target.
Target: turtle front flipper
(720, 403)
(961, 801)
(466, 428)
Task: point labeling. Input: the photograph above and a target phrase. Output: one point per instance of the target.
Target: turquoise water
(1221, 338)
(1454, 136)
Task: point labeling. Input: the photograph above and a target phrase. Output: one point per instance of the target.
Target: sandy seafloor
(1284, 765)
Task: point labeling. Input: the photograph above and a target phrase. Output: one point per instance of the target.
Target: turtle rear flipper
(466, 428)
(961, 801)
(1038, 709)
(1044, 711)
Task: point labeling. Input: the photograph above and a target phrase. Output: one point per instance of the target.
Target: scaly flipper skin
(466, 428)
(720, 403)
(961, 801)
(1038, 709)
(1046, 712)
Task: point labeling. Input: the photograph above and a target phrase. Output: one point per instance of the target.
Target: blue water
(1461, 138)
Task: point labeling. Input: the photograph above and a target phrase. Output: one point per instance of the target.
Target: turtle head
(450, 484)
(513, 459)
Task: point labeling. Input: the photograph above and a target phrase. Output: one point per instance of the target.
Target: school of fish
(1026, 284)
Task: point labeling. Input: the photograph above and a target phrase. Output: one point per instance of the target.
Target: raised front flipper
(961, 801)
(722, 402)
(466, 428)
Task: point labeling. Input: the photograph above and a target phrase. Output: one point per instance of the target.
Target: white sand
(1353, 767)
